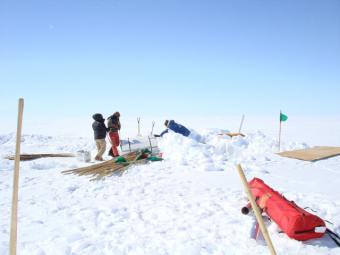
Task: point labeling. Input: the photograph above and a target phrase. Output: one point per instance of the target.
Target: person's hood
(98, 117)
(168, 123)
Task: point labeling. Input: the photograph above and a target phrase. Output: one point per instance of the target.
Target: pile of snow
(188, 151)
(214, 152)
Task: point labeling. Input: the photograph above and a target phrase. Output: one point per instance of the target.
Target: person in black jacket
(100, 130)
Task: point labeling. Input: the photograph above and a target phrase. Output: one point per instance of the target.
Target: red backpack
(297, 223)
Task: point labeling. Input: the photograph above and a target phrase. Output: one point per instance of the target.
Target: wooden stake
(256, 210)
(239, 129)
(153, 124)
(138, 119)
(14, 219)
(280, 132)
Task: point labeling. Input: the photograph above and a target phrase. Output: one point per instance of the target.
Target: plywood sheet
(312, 154)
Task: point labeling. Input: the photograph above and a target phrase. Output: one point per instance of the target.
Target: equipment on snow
(136, 143)
(116, 165)
(84, 156)
(256, 209)
(246, 209)
(297, 223)
(255, 229)
(254, 233)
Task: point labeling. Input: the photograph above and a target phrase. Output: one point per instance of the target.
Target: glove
(117, 127)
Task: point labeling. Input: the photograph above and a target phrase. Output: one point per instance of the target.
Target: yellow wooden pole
(14, 219)
(256, 210)
(280, 132)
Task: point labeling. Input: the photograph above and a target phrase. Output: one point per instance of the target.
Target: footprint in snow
(256, 169)
(72, 189)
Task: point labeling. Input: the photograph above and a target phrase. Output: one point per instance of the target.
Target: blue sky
(170, 58)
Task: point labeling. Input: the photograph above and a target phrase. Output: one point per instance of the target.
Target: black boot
(111, 152)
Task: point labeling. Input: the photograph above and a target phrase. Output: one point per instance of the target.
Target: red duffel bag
(297, 223)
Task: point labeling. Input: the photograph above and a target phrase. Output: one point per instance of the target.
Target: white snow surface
(188, 204)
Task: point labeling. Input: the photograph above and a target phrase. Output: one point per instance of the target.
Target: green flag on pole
(283, 117)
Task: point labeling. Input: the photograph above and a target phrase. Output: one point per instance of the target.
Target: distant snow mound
(35, 143)
(7, 138)
(252, 144)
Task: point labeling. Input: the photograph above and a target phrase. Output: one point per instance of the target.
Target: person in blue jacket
(178, 128)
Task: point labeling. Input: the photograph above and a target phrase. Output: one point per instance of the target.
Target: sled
(132, 144)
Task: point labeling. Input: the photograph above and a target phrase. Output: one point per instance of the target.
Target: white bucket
(84, 156)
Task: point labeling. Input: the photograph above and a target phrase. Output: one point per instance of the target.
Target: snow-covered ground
(188, 204)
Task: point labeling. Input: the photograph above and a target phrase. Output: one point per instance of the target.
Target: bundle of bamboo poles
(34, 156)
(108, 168)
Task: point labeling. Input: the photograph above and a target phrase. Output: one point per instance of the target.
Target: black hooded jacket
(99, 127)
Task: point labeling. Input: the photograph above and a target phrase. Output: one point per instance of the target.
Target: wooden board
(234, 134)
(312, 154)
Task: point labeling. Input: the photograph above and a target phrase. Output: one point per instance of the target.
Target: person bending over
(178, 128)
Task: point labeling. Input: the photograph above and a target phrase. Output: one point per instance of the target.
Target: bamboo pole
(280, 131)
(130, 163)
(14, 218)
(256, 210)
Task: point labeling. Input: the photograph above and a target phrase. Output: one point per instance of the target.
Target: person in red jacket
(114, 124)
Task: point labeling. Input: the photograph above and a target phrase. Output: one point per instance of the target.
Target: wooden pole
(138, 119)
(256, 210)
(239, 129)
(280, 132)
(153, 124)
(14, 219)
